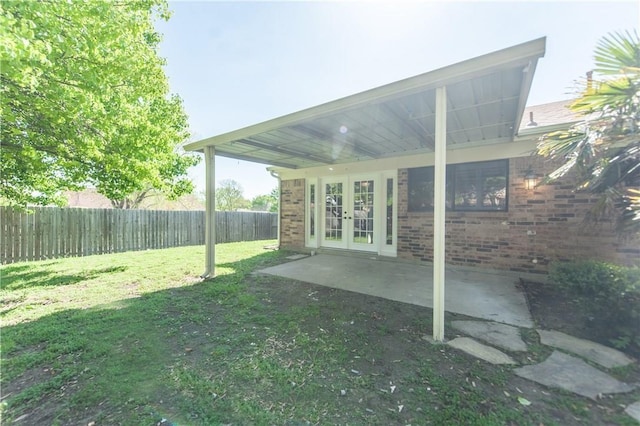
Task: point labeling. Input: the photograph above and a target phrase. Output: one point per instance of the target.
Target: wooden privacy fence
(52, 232)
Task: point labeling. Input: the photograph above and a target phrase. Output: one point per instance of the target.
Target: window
(478, 186)
(421, 189)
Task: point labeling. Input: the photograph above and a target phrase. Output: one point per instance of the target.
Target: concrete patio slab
(501, 335)
(634, 410)
(474, 293)
(478, 350)
(573, 374)
(600, 354)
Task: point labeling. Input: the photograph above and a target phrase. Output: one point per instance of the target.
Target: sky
(240, 63)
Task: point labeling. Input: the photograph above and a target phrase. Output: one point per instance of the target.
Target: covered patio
(457, 113)
(476, 293)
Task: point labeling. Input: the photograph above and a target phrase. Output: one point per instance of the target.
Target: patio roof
(485, 96)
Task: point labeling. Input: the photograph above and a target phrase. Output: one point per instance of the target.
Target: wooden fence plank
(6, 217)
(23, 237)
(5, 255)
(51, 235)
(3, 237)
(11, 231)
(51, 232)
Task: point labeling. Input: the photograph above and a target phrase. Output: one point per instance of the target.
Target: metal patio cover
(485, 96)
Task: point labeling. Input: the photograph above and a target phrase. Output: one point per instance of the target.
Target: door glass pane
(363, 212)
(333, 211)
(312, 211)
(389, 210)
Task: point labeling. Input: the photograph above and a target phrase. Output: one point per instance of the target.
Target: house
(91, 198)
(438, 167)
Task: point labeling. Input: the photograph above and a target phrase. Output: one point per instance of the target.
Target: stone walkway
(565, 368)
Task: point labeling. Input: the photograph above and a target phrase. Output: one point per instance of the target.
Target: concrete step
(478, 350)
(501, 335)
(566, 372)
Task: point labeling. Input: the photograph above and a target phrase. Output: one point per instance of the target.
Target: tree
(229, 196)
(85, 101)
(604, 149)
(266, 203)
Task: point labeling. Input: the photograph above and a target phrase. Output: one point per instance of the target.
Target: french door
(349, 214)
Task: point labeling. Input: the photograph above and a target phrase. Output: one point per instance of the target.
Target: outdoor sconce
(530, 179)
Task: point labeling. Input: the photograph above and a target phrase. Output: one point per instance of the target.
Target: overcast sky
(239, 63)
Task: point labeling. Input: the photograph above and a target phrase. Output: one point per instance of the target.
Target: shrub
(608, 293)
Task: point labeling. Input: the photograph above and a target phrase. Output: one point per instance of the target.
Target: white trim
(386, 249)
(538, 131)
(522, 148)
(308, 241)
(379, 245)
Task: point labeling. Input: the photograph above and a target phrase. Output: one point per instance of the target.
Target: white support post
(279, 208)
(440, 177)
(210, 218)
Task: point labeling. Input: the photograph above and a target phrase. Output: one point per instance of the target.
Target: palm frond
(618, 52)
(607, 95)
(630, 220)
(603, 150)
(561, 143)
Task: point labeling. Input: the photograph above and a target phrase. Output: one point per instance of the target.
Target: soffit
(485, 102)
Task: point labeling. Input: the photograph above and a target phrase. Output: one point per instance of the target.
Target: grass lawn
(137, 339)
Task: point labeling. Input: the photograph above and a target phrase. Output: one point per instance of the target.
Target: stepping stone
(484, 352)
(600, 354)
(502, 335)
(634, 410)
(573, 374)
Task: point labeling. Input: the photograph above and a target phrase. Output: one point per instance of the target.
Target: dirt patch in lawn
(349, 358)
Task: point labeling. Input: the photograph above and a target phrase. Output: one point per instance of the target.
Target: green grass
(93, 332)
(133, 338)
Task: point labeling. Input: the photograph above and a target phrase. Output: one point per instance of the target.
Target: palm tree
(604, 149)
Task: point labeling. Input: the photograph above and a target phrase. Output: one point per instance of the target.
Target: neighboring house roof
(548, 117)
(90, 198)
(548, 114)
(485, 103)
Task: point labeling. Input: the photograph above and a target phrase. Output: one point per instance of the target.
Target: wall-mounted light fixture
(530, 179)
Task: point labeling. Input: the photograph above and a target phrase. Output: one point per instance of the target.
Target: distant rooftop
(550, 114)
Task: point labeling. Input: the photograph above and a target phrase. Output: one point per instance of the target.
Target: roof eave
(529, 132)
(525, 54)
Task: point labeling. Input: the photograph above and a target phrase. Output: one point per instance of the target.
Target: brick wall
(499, 240)
(292, 213)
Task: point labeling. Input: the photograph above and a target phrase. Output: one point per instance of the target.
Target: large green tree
(266, 203)
(230, 196)
(84, 100)
(603, 150)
